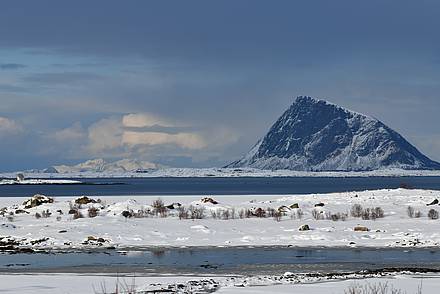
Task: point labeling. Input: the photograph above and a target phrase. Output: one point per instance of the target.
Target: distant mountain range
(100, 165)
(315, 135)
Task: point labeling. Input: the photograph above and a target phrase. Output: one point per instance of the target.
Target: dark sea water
(219, 186)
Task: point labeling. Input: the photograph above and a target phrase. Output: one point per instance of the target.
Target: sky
(197, 83)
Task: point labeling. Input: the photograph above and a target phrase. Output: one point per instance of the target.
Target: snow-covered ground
(53, 226)
(225, 172)
(39, 182)
(408, 284)
(91, 284)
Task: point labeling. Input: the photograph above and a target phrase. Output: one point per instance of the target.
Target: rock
(173, 206)
(62, 231)
(434, 202)
(127, 213)
(92, 240)
(304, 228)
(294, 205)
(38, 241)
(208, 200)
(319, 204)
(18, 211)
(259, 212)
(85, 200)
(20, 177)
(73, 211)
(37, 200)
(361, 229)
(283, 209)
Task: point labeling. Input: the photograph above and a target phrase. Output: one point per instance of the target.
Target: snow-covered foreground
(132, 221)
(408, 284)
(71, 283)
(223, 172)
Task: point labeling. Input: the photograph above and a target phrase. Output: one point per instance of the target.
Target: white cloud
(72, 133)
(127, 136)
(142, 120)
(105, 134)
(184, 140)
(9, 126)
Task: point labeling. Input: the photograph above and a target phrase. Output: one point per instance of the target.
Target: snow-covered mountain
(315, 135)
(100, 165)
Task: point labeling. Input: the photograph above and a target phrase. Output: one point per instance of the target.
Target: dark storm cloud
(60, 77)
(237, 64)
(11, 66)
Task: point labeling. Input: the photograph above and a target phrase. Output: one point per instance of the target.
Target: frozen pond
(221, 260)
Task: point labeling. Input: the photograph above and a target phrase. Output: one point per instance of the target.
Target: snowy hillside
(100, 165)
(314, 135)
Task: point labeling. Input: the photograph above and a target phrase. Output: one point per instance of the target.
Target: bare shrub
(58, 218)
(327, 215)
(299, 213)
(37, 215)
(46, 213)
(317, 215)
(121, 286)
(226, 214)
(159, 208)
(277, 215)
(271, 212)
(433, 214)
(214, 214)
(140, 213)
(245, 213)
(356, 210)
(410, 211)
(379, 212)
(77, 214)
(367, 213)
(338, 216)
(182, 212)
(377, 288)
(259, 212)
(196, 212)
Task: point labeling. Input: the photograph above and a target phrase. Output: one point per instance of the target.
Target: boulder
(434, 202)
(304, 228)
(361, 229)
(173, 206)
(208, 200)
(37, 200)
(283, 209)
(127, 213)
(84, 200)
